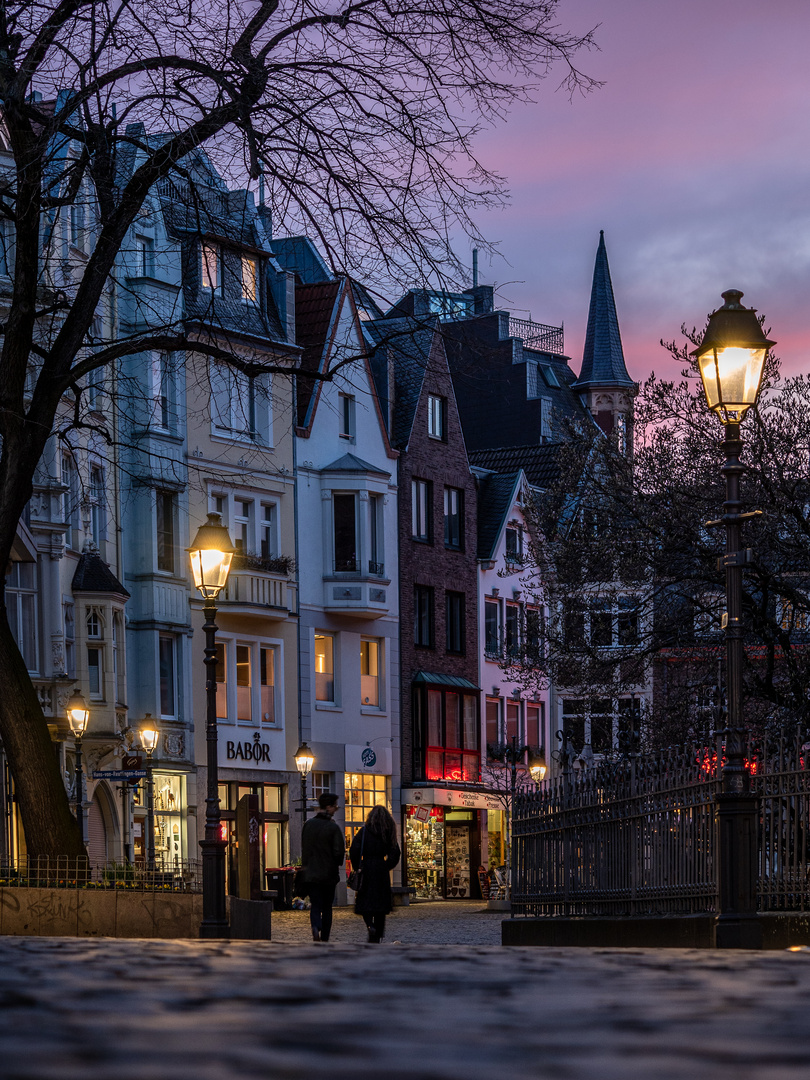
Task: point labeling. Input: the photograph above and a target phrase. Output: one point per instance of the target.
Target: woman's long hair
(380, 823)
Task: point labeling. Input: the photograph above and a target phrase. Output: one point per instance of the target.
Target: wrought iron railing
(537, 335)
(638, 836)
(61, 872)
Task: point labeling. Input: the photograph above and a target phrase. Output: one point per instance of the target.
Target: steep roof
(602, 358)
(314, 312)
(409, 341)
(496, 495)
(93, 575)
(540, 462)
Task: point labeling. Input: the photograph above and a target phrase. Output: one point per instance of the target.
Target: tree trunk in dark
(50, 827)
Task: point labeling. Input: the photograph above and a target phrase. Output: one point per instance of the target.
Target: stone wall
(99, 913)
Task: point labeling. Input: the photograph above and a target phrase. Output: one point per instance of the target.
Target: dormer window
(514, 544)
(210, 267)
(249, 279)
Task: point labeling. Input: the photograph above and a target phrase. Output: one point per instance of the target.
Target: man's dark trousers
(321, 899)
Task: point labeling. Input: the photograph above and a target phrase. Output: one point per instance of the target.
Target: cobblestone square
(446, 1004)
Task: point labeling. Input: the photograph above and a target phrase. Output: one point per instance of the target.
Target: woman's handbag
(355, 877)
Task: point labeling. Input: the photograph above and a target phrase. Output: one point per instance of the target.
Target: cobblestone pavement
(456, 922)
(105, 1009)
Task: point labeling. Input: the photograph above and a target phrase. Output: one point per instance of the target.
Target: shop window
(437, 407)
(454, 619)
(169, 807)
(362, 793)
(324, 667)
(420, 509)
(346, 405)
(21, 606)
(424, 850)
(423, 615)
(453, 518)
(165, 527)
(370, 657)
(344, 511)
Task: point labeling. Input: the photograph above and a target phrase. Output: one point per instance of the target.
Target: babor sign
(234, 752)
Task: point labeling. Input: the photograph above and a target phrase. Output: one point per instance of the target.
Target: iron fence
(62, 872)
(638, 837)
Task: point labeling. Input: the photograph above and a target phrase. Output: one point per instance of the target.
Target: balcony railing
(537, 335)
(376, 569)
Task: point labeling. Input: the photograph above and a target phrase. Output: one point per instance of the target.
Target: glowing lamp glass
(211, 555)
(149, 738)
(731, 378)
(538, 772)
(78, 714)
(304, 759)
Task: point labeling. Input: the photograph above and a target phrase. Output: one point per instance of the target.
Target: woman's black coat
(374, 897)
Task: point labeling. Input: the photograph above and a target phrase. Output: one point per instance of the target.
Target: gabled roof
(314, 317)
(299, 256)
(496, 497)
(602, 358)
(540, 463)
(408, 342)
(93, 575)
(351, 463)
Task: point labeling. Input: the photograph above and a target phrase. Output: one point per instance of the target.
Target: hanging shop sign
(464, 800)
(252, 752)
(368, 759)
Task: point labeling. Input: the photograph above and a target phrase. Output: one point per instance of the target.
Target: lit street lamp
(731, 358)
(78, 716)
(211, 555)
(304, 760)
(149, 741)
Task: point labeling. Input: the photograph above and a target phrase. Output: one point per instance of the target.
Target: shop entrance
(442, 852)
(459, 842)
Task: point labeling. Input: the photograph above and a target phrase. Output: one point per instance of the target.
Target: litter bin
(280, 881)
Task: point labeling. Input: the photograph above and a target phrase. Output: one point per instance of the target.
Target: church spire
(606, 388)
(602, 358)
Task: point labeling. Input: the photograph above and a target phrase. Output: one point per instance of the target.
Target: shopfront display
(169, 804)
(496, 838)
(274, 822)
(424, 850)
(362, 792)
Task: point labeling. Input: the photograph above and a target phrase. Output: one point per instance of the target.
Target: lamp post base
(215, 915)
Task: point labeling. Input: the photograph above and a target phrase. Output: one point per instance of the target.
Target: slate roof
(539, 462)
(408, 343)
(351, 463)
(314, 308)
(93, 575)
(496, 495)
(300, 256)
(602, 358)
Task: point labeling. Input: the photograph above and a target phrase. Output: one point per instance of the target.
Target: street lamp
(149, 741)
(731, 359)
(78, 716)
(537, 767)
(211, 555)
(304, 760)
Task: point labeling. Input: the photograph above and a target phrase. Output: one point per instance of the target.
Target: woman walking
(375, 852)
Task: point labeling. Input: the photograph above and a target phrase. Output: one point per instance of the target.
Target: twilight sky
(694, 157)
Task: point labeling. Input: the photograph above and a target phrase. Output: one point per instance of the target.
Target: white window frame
(333, 702)
(436, 417)
(250, 280)
(230, 644)
(346, 416)
(379, 705)
(211, 268)
(241, 405)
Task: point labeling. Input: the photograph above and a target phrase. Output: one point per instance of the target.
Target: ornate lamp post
(211, 555)
(149, 741)
(537, 767)
(304, 760)
(731, 358)
(78, 716)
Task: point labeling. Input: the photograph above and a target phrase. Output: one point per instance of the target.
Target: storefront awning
(437, 679)
(462, 800)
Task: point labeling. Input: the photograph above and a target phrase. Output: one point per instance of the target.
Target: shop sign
(464, 800)
(368, 759)
(235, 752)
(119, 774)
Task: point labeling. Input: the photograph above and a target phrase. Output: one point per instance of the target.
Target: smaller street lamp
(211, 555)
(304, 760)
(149, 741)
(78, 716)
(537, 767)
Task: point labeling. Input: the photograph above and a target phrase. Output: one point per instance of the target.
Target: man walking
(322, 853)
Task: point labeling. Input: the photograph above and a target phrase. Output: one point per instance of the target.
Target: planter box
(99, 913)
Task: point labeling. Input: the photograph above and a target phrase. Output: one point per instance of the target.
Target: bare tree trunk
(50, 827)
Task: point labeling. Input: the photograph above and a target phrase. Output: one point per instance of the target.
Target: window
(534, 636)
(242, 525)
(267, 675)
(94, 673)
(423, 615)
(346, 407)
(249, 279)
(241, 404)
(453, 518)
(117, 668)
(362, 793)
(98, 515)
(95, 387)
(166, 665)
(77, 221)
(436, 417)
(514, 544)
(70, 480)
(321, 784)
(573, 624)
(601, 623)
(573, 711)
(451, 734)
(219, 504)
(222, 682)
(420, 509)
(370, 654)
(535, 724)
(455, 607)
(210, 267)
(344, 509)
(512, 720)
(628, 621)
(549, 375)
(244, 704)
(268, 541)
(165, 502)
(6, 247)
(324, 667)
(376, 563)
(601, 734)
(708, 611)
(492, 637)
(512, 630)
(493, 721)
(160, 379)
(545, 420)
(21, 605)
(629, 726)
(144, 256)
(793, 616)
(70, 637)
